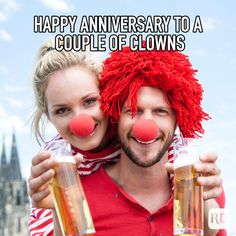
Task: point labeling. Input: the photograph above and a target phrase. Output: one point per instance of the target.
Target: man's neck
(148, 186)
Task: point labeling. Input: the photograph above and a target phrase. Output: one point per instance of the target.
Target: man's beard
(136, 160)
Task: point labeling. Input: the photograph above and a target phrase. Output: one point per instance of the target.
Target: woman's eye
(90, 101)
(61, 111)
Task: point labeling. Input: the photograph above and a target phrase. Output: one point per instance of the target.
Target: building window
(19, 225)
(18, 198)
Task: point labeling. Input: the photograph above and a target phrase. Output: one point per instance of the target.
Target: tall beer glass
(69, 198)
(188, 194)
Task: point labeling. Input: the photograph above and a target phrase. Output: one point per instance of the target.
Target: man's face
(151, 104)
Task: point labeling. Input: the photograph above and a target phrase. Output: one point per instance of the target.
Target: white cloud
(2, 16)
(209, 24)
(15, 103)
(4, 70)
(199, 52)
(5, 36)
(13, 121)
(233, 60)
(57, 5)
(7, 122)
(224, 124)
(13, 89)
(2, 112)
(7, 8)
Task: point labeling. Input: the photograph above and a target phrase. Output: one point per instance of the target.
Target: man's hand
(210, 175)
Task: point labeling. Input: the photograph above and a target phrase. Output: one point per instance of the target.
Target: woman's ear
(47, 116)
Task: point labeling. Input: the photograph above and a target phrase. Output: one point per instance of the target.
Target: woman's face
(69, 93)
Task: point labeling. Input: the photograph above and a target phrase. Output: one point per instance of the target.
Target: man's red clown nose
(82, 125)
(145, 130)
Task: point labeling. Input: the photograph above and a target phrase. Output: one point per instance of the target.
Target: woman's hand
(40, 178)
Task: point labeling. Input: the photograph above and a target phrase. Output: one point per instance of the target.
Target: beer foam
(185, 160)
(64, 159)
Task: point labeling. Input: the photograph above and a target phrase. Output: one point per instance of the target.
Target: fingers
(40, 157)
(207, 168)
(212, 186)
(207, 164)
(36, 184)
(210, 181)
(210, 175)
(40, 178)
(212, 193)
(78, 159)
(208, 157)
(39, 196)
(43, 198)
(42, 166)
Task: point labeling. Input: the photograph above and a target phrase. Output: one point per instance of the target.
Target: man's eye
(61, 111)
(90, 101)
(160, 111)
(128, 111)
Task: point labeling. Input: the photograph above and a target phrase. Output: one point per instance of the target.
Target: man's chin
(146, 164)
(146, 157)
(144, 160)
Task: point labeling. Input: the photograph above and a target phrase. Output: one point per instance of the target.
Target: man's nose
(147, 115)
(145, 130)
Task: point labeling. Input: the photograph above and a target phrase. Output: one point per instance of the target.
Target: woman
(65, 86)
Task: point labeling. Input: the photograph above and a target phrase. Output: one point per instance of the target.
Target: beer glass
(188, 194)
(68, 195)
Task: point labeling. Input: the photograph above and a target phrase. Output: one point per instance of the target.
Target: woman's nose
(82, 125)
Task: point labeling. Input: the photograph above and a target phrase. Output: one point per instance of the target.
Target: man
(134, 196)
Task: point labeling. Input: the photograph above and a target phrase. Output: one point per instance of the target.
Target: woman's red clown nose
(82, 125)
(145, 130)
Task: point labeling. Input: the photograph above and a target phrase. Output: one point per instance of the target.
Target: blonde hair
(49, 61)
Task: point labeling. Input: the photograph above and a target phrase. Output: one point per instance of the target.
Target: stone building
(14, 201)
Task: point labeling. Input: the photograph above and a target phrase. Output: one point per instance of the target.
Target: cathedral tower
(14, 201)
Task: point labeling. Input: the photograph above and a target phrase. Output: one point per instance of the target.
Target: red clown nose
(82, 125)
(145, 130)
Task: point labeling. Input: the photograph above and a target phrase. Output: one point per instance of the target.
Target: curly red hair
(126, 71)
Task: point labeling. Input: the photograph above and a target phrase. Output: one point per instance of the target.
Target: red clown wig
(170, 71)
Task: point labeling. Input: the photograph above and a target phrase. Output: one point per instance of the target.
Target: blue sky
(212, 52)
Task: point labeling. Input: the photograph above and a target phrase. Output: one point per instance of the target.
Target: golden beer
(188, 200)
(69, 198)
